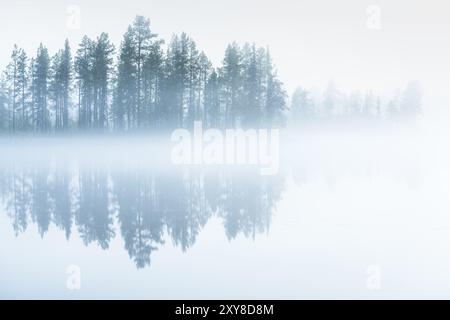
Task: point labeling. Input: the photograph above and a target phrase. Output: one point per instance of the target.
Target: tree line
(142, 84)
(307, 105)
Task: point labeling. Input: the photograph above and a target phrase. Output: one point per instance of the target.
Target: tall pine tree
(41, 70)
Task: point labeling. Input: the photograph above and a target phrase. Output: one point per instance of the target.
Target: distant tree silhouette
(302, 106)
(411, 100)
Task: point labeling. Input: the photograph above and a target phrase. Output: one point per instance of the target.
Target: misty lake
(347, 216)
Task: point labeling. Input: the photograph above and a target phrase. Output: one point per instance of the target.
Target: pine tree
(103, 50)
(139, 53)
(152, 84)
(60, 87)
(55, 89)
(205, 71)
(14, 87)
(41, 68)
(251, 113)
(302, 106)
(67, 74)
(4, 119)
(193, 83)
(411, 100)
(142, 41)
(275, 104)
(83, 67)
(176, 80)
(125, 95)
(22, 88)
(212, 102)
(231, 83)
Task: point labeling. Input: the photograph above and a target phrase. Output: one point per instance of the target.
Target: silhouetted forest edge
(148, 85)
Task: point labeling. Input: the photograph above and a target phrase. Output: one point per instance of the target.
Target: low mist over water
(117, 208)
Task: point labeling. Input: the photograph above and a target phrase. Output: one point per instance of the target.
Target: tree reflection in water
(147, 207)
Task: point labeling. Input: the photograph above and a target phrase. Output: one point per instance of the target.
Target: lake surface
(349, 215)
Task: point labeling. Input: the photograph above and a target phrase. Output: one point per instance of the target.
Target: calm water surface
(345, 217)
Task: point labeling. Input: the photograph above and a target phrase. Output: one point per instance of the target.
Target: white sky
(311, 41)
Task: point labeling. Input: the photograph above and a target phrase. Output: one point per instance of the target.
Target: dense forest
(146, 83)
(140, 85)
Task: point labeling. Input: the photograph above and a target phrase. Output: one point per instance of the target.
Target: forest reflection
(145, 207)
